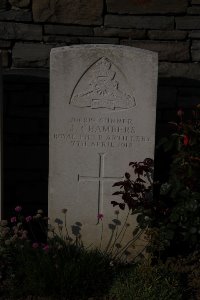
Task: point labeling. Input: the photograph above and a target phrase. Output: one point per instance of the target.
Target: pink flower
(100, 216)
(13, 220)
(28, 219)
(46, 248)
(35, 245)
(18, 208)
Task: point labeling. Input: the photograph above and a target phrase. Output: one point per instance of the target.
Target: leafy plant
(136, 192)
(189, 269)
(67, 272)
(146, 282)
(172, 211)
(181, 227)
(59, 268)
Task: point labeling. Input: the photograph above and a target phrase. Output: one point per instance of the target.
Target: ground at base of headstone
(79, 274)
(61, 270)
(54, 298)
(140, 282)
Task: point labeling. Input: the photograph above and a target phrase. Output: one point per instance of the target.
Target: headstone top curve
(103, 46)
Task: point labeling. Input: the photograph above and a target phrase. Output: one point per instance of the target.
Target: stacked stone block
(29, 29)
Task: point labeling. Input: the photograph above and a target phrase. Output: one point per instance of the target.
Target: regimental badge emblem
(103, 85)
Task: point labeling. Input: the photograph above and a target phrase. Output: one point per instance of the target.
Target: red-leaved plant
(135, 192)
(174, 212)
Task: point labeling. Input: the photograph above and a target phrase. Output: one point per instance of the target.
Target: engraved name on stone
(101, 132)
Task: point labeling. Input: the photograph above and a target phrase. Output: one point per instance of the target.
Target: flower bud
(18, 208)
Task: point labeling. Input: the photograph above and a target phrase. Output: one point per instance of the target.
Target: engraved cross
(100, 179)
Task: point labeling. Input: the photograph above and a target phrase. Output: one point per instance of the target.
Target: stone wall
(29, 29)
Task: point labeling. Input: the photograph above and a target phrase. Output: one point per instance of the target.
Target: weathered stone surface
(195, 50)
(193, 10)
(5, 58)
(142, 22)
(21, 15)
(167, 34)
(118, 32)
(194, 34)
(3, 4)
(102, 110)
(187, 22)
(167, 51)
(20, 31)
(195, 1)
(20, 3)
(85, 12)
(67, 30)
(180, 70)
(5, 44)
(31, 55)
(98, 40)
(148, 7)
(65, 40)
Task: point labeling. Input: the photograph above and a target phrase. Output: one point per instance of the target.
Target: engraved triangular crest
(103, 85)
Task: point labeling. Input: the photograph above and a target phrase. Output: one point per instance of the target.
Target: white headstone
(102, 116)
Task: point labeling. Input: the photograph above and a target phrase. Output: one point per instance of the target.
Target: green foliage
(189, 268)
(136, 193)
(181, 195)
(145, 282)
(172, 212)
(62, 268)
(59, 268)
(69, 272)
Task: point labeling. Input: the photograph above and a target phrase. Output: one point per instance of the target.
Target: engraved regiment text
(105, 132)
